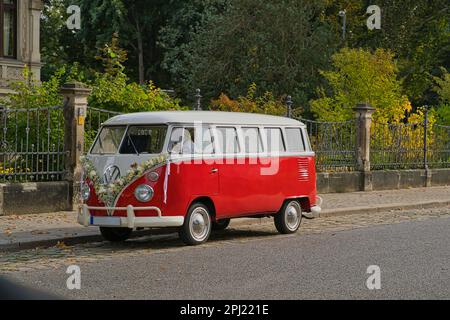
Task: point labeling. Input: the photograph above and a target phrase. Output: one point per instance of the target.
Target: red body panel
(237, 188)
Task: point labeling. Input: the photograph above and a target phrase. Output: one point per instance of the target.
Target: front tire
(197, 225)
(115, 234)
(289, 218)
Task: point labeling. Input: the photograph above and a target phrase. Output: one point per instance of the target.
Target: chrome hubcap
(293, 216)
(199, 224)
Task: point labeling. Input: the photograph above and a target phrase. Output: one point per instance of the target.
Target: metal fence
(94, 119)
(32, 144)
(406, 146)
(397, 146)
(334, 144)
(438, 148)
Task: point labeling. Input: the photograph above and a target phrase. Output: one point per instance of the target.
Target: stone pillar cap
(75, 87)
(364, 107)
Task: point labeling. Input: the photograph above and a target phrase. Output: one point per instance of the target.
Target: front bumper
(130, 221)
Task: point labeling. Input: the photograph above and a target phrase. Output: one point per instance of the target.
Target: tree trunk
(141, 58)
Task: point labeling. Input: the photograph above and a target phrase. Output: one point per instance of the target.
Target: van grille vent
(303, 172)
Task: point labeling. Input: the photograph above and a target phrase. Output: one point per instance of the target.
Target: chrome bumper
(315, 210)
(130, 221)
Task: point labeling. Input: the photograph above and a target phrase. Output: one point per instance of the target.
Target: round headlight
(143, 193)
(85, 192)
(153, 176)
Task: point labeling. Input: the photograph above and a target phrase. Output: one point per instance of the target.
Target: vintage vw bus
(196, 170)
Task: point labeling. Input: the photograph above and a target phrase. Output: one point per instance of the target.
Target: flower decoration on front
(108, 193)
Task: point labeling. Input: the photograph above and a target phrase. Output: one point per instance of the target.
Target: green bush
(116, 94)
(266, 103)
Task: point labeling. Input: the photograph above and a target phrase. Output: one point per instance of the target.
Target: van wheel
(115, 234)
(197, 225)
(289, 218)
(221, 224)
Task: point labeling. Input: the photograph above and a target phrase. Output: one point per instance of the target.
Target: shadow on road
(143, 243)
(170, 240)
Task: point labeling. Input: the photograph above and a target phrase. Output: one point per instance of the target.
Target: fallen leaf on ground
(61, 245)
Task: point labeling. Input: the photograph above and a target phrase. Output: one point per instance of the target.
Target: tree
(442, 88)
(58, 47)
(361, 76)
(279, 45)
(112, 90)
(187, 17)
(418, 33)
(137, 22)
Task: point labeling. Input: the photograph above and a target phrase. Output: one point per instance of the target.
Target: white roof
(207, 117)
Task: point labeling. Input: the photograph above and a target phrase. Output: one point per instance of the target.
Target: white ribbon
(166, 180)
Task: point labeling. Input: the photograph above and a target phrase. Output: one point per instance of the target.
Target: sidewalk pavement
(35, 230)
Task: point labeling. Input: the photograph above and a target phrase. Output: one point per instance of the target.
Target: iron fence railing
(396, 146)
(94, 119)
(409, 146)
(32, 144)
(438, 150)
(334, 144)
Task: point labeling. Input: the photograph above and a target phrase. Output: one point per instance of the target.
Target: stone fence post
(363, 114)
(75, 108)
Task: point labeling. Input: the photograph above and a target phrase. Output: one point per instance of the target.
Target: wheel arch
(304, 201)
(207, 201)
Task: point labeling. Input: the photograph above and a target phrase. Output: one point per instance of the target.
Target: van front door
(193, 147)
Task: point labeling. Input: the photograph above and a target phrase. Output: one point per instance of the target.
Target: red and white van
(196, 170)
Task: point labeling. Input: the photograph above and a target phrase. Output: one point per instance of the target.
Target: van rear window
(294, 140)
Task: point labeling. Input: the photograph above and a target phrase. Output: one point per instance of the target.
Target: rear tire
(197, 225)
(289, 218)
(221, 224)
(115, 234)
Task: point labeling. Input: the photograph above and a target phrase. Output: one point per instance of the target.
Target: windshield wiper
(132, 143)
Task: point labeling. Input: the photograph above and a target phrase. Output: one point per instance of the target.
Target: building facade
(19, 40)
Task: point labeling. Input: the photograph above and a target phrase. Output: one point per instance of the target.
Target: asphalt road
(413, 256)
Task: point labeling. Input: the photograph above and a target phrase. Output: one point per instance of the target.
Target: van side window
(191, 141)
(207, 145)
(252, 140)
(227, 140)
(294, 140)
(182, 141)
(274, 140)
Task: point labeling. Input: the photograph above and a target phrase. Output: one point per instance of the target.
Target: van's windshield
(108, 141)
(134, 140)
(144, 139)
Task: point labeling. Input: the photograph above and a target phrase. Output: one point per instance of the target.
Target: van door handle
(215, 170)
